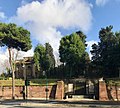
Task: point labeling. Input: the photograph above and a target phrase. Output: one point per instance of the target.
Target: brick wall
(113, 92)
(102, 91)
(108, 92)
(39, 91)
(54, 91)
(6, 92)
(59, 90)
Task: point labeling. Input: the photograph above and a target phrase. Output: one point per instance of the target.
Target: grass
(20, 82)
(43, 81)
(113, 81)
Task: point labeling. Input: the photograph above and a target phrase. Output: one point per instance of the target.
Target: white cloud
(89, 46)
(2, 15)
(23, 2)
(22, 54)
(101, 2)
(44, 18)
(3, 59)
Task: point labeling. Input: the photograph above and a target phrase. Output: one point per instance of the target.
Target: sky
(50, 20)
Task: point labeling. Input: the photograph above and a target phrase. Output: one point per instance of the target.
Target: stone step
(79, 96)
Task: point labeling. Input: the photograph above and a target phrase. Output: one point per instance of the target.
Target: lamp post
(46, 89)
(119, 71)
(25, 78)
(23, 66)
(13, 84)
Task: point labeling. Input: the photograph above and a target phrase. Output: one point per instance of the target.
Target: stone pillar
(60, 90)
(24, 72)
(20, 74)
(102, 91)
(16, 72)
(33, 70)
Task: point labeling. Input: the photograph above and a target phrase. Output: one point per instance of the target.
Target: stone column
(33, 70)
(60, 90)
(16, 72)
(24, 72)
(102, 91)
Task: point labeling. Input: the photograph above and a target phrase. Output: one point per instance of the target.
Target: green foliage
(39, 53)
(3, 75)
(106, 54)
(49, 55)
(14, 37)
(113, 81)
(43, 81)
(20, 82)
(43, 57)
(72, 53)
(82, 37)
(71, 49)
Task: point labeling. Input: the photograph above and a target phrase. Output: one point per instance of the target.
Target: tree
(14, 37)
(82, 37)
(49, 52)
(106, 53)
(72, 51)
(39, 54)
(44, 58)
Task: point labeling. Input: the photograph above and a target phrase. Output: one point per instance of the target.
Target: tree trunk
(13, 84)
(13, 73)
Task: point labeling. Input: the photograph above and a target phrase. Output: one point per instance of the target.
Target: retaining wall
(53, 92)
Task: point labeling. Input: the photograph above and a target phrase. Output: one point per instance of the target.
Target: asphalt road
(42, 106)
(57, 104)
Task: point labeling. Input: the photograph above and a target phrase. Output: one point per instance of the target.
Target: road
(56, 104)
(42, 106)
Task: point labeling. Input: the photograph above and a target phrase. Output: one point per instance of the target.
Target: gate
(75, 87)
(81, 88)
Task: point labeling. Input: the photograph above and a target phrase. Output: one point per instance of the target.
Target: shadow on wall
(53, 92)
(109, 89)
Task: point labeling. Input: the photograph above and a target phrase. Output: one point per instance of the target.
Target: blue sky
(104, 15)
(49, 20)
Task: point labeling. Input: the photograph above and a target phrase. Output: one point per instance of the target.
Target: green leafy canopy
(71, 48)
(13, 36)
(106, 53)
(43, 57)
